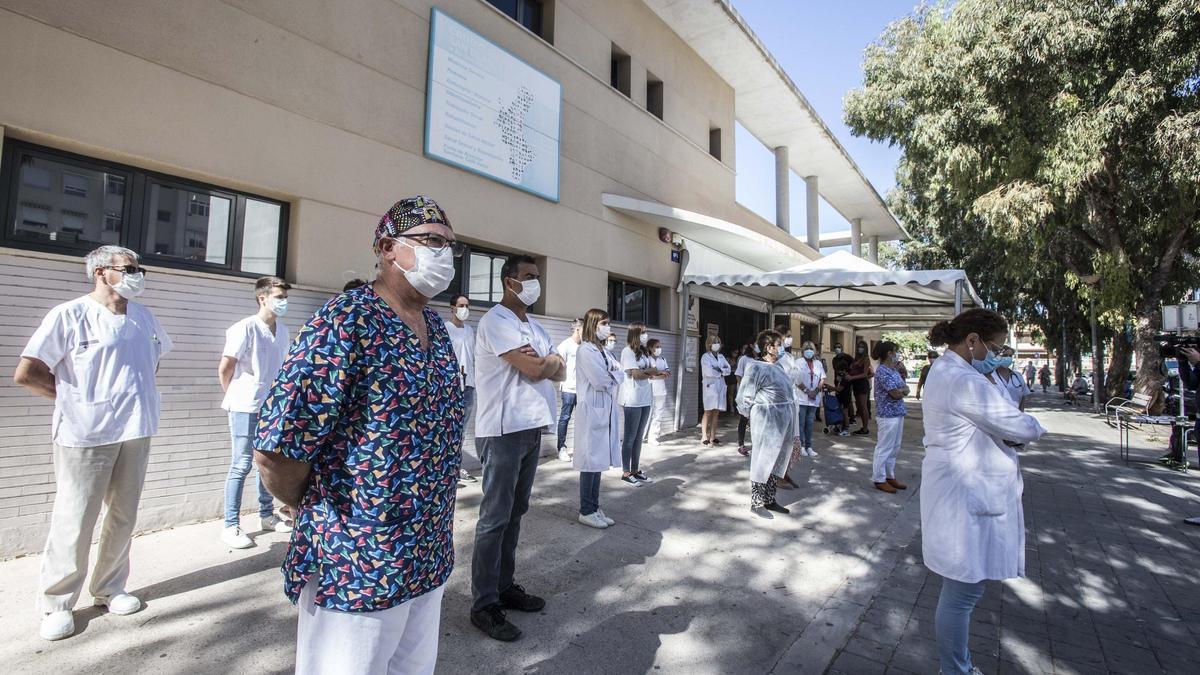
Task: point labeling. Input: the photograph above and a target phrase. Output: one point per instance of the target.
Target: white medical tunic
(972, 524)
(259, 354)
(104, 371)
(505, 400)
(713, 370)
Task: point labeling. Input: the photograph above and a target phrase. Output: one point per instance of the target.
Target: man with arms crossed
(515, 365)
(96, 357)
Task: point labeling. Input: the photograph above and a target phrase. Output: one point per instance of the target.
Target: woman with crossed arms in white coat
(598, 377)
(972, 524)
(713, 371)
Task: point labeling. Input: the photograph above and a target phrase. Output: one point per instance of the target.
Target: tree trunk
(1149, 376)
(1118, 368)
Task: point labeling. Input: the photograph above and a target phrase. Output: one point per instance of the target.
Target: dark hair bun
(941, 334)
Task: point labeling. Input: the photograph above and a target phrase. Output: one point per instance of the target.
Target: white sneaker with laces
(810, 452)
(121, 603)
(57, 625)
(233, 538)
(274, 523)
(593, 519)
(563, 455)
(607, 520)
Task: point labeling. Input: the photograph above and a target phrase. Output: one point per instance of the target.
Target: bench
(1118, 407)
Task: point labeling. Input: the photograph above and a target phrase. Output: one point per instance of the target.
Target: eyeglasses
(126, 269)
(436, 242)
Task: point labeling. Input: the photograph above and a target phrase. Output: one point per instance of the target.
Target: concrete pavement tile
(1087, 655)
(865, 647)
(1130, 634)
(916, 654)
(852, 664)
(1065, 667)
(1078, 636)
(1124, 658)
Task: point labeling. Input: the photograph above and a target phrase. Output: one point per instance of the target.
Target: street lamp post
(1097, 380)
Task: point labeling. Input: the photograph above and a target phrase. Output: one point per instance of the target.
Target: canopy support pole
(958, 297)
(681, 361)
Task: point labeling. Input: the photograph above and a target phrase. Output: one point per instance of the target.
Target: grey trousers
(85, 478)
(509, 465)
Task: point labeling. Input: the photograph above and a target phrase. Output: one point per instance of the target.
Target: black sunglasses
(126, 269)
(436, 242)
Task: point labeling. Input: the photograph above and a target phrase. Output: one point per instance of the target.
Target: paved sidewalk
(1110, 584)
(688, 581)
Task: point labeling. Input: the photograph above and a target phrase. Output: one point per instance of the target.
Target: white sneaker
(121, 603)
(233, 538)
(57, 625)
(594, 519)
(809, 452)
(607, 520)
(563, 455)
(273, 523)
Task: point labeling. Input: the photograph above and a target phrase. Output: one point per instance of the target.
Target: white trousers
(891, 431)
(401, 640)
(85, 478)
(657, 411)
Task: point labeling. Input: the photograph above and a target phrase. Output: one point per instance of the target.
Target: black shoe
(631, 479)
(643, 477)
(863, 432)
(465, 476)
(515, 597)
(491, 620)
(774, 506)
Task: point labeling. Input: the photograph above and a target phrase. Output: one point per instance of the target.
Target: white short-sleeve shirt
(567, 349)
(659, 386)
(505, 400)
(635, 393)
(463, 340)
(259, 354)
(103, 365)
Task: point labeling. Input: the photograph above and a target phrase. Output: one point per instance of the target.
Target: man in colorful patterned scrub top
(515, 368)
(361, 432)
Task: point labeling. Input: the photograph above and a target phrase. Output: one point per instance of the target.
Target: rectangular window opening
(534, 15)
(654, 95)
(621, 65)
(714, 142)
(629, 302)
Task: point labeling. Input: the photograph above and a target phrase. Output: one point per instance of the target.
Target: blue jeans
(564, 417)
(509, 466)
(241, 428)
(952, 621)
(636, 420)
(808, 415)
(589, 492)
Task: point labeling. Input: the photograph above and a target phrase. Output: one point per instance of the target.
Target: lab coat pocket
(599, 406)
(87, 416)
(990, 491)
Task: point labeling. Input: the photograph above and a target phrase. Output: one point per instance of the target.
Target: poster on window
(489, 112)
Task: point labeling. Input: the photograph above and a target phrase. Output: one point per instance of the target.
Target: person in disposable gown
(767, 395)
(972, 525)
(597, 417)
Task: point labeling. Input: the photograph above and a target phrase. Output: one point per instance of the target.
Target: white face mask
(531, 290)
(658, 351)
(716, 346)
(643, 338)
(432, 272)
(278, 306)
(610, 345)
(787, 342)
(130, 286)
(603, 331)
(462, 313)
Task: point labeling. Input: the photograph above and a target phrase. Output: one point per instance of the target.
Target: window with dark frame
(620, 70)
(528, 13)
(714, 142)
(477, 276)
(629, 302)
(60, 202)
(654, 95)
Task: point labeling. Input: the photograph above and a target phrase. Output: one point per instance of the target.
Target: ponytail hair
(984, 322)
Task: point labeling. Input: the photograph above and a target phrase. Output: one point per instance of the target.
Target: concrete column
(812, 211)
(783, 212)
(856, 237)
(873, 256)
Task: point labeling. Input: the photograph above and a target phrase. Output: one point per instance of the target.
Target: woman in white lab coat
(714, 368)
(973, 528)
(598, 377)
(767, 395)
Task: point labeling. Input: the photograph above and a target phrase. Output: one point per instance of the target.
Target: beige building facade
(229, 139)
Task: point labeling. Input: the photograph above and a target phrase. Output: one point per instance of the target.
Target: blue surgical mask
(1005, 362)
(988, 364)
(808, 353)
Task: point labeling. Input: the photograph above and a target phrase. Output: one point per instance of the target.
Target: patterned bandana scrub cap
(407, 214)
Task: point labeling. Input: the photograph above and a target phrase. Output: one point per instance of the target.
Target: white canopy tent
(844, 289)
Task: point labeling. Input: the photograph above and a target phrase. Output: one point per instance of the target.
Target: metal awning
(845, 289)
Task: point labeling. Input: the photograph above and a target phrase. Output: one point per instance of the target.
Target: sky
(820, 45)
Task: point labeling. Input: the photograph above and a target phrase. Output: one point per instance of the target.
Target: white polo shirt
(635, 393)
(505, 400)
(103, 365)
(567, 349)
(259, 355)
(659, 386)
(463, 340)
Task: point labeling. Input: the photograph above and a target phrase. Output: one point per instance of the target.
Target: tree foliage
(1044, 141)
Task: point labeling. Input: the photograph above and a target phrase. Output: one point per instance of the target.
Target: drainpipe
(683, 337)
